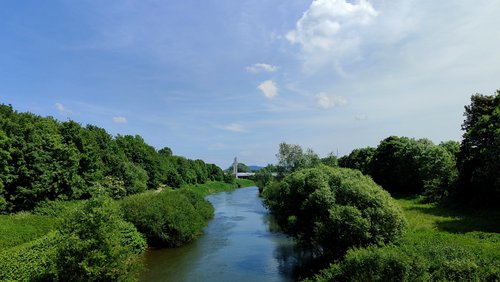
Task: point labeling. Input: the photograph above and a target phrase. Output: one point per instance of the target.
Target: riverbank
(440, 244)
(20, 231)
(239, 244)
(212, 187)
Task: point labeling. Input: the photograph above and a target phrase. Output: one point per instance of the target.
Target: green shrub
(56, 208)
(169, 218)
(97, 245)
(333, 209)
(32, 261)
(435, 261)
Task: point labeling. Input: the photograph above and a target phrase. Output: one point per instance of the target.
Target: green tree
(360, 159)
(5, 168)
(479, 158)
(334, 209)
(292, 158)
(97, 245)
(408, 166)
(330, 160)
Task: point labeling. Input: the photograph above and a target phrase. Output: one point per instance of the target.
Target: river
(239, 244)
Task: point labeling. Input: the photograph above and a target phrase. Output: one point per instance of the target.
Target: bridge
(242, 174)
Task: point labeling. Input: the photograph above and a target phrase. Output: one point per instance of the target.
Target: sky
(218, 79)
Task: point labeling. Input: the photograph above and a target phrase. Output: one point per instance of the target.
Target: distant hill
(255, 167)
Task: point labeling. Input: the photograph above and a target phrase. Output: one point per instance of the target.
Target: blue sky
(216, 79)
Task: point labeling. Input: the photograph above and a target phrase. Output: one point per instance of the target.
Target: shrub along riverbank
(98, 239)
(441, 244)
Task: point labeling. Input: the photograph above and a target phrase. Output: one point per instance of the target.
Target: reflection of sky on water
(241, 243)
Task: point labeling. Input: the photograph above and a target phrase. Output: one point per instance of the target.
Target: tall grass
(23, 227)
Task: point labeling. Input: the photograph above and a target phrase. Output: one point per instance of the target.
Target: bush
(169, 218)
(333, 209)
(56, 208)
(32, 261)
(97, 245)
(436, 261)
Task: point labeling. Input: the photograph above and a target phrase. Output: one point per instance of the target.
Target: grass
(23, 227)
(216, 186)
(471, 229)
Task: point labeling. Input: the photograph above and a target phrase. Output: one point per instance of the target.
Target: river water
(240, 244)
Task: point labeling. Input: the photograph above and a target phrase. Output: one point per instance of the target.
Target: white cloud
(255, 68)
(119, 119)
(325, 101)
(329, 30)
(269, 88)
(235, 127)
(63, 110)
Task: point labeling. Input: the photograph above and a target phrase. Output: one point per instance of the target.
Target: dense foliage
(360, 159)
(333, 209)
(448, 171)
(441, 244)
(409, 166)
(96, 244)
(292, 158)
(32, 261)
(43, 159)
(436, 261)
(91, 243)
(479, 157)
(169, 218)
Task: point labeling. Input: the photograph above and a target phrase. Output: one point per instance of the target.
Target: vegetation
(169, 218)
(96, 244)
(31, 261)
(217, 186)
(441, 244)
(91, 243)
(452, 242)
(334, 209)
(42, 159)
(478, 159)
(23, 227)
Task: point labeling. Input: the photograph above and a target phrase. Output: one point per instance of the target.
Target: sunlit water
(239, 244)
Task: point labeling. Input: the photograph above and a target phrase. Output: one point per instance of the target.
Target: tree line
(43, 159)
(465, 173)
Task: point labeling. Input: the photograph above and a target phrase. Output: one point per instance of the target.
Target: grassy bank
(441, 244)
(216, 186)
(23, 227)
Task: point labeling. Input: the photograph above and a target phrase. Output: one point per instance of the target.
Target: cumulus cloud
(119, 119)
(325, 101)
(329, 29)
(63, 110)
(269, 88)
(255, 68)
(234, 127)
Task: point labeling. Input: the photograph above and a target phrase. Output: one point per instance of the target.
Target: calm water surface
(239, 244)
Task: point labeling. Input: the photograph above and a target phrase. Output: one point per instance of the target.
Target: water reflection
(242, 243)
